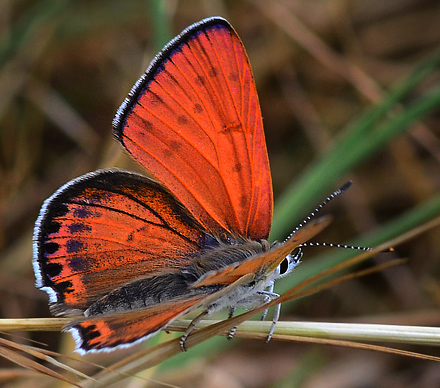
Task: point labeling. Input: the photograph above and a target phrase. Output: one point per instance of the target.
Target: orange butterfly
(133, 254)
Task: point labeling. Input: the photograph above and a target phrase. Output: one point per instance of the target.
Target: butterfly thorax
(223, 254)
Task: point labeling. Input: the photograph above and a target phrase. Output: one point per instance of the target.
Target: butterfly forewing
(193, 120)
(107, 228)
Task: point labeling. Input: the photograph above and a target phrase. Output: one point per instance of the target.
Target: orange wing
(104, 229)
(193, 120)
(265, 262)
(105, 332)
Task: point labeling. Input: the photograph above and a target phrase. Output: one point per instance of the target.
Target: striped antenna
(335, 194)
(344, 246)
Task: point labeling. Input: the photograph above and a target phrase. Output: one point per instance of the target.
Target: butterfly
(126, 254)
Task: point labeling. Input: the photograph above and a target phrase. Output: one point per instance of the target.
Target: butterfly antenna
(344, 246)
(333, 195)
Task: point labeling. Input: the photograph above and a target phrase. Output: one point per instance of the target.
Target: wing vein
(233, 144)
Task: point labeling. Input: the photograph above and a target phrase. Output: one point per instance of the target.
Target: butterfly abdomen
(143, 293)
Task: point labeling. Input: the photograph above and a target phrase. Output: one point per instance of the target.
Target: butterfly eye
(289, 263)
(284, 266)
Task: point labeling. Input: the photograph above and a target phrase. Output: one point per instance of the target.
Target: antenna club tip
(346, 186)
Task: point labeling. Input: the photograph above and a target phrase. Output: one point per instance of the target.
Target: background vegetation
(343, 97)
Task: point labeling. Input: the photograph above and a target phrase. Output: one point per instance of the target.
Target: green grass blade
(360, 140)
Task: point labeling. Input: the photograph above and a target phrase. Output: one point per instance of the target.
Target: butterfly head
(288, 264)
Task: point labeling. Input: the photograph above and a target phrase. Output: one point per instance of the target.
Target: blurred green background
(348, 90)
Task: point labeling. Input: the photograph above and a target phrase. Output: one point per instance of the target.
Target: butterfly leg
(191, 327)
(270, 295)
(276, 316)
(234, 329)
(270, 291)
(214, 306)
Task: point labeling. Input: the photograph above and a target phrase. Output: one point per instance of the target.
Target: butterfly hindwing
(107, 228)
(193, 120)
(107, 331)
